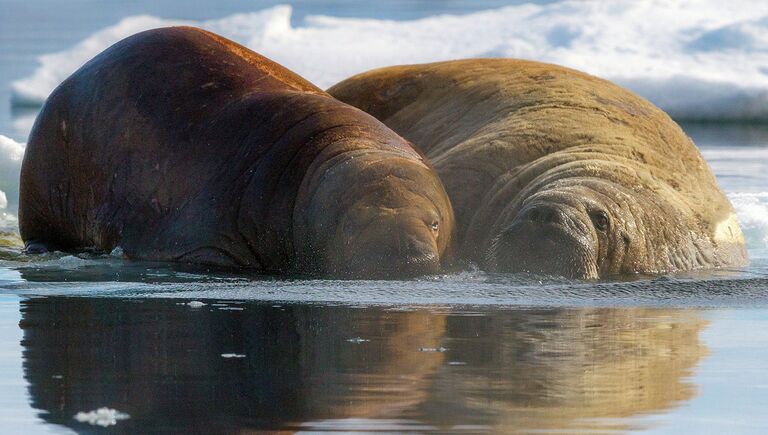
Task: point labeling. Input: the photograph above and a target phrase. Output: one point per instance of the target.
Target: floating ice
(742, 172)
(104, 417)
(73, 262)
(232, 355)
(195, 304)
(10, 150)
(432, 349)
(56, 67)
(11, 154)
(696, 59)
(752, 210)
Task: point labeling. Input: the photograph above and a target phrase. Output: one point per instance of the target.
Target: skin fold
(553, 171)
(176, 144)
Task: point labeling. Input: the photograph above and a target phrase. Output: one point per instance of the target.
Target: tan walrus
(178, 145)
(554, 171)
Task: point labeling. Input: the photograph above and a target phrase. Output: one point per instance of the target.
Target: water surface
(231, 366)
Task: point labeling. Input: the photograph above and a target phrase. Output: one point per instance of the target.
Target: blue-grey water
(173, 349)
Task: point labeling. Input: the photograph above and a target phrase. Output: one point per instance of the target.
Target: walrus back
(177, 144)
(148, 97)
(503, 113)
(487, 124)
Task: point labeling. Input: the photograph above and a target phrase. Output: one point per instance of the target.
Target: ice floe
(696, 59)
(103, 417)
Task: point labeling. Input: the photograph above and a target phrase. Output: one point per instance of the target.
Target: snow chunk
(103, 417)
(232, 355)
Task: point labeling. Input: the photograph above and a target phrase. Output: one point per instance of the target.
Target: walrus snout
(401, 228)
(392, 254)
(545, 239)
(543, 214)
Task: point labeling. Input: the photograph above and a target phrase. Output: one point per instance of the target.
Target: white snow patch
(752, 210)
(433, 349)
(232, 355)
(103, 417)
(695, 59)
(10, 149)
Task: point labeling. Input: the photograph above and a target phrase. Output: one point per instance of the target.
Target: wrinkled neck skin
(582, 221)
(372, 214)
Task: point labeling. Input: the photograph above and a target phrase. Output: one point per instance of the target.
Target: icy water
(172, 349)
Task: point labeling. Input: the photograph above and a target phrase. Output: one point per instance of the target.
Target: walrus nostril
(544, 214)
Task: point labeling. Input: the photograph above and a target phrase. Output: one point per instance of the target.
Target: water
(168, 348)
(317, 367)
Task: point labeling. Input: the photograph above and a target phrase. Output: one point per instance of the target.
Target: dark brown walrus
(176, 144)
(553, 171)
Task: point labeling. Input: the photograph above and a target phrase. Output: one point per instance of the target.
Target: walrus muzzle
(387, 254)
(393, 243)
(545, 239)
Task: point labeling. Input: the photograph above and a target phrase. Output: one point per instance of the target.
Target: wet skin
(552, 171)
(178, 145)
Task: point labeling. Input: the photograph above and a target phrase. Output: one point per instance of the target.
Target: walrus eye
(435, 225)
(600, 219)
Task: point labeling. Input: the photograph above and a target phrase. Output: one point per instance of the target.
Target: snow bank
(695, 59)
(752, 210)
(11, 153)
(742, 172)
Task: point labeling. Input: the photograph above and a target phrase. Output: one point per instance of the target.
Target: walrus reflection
(502, 371)
(553, 171)
(565, 369)
(176, 144)
(161, 363)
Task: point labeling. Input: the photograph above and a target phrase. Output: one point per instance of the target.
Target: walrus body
(553, 171)
(179, 145)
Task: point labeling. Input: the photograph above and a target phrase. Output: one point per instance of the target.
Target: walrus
(553, 171)
(176, 144)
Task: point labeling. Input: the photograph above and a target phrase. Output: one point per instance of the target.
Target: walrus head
(376, 215)
(398, 237)
(589, 221)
